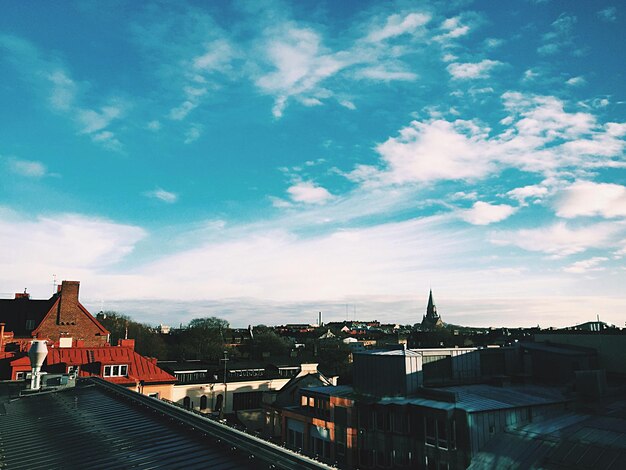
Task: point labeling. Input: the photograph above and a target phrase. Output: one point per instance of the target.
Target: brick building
(77, 343)
(60, 318)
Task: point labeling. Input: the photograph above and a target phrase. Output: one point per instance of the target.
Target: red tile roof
(140, 368)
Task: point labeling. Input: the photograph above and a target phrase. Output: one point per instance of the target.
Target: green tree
(266, 340)
(201, 339)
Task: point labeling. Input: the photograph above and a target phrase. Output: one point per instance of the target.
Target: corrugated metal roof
(475, 398)
(87, 428)
(572, 440)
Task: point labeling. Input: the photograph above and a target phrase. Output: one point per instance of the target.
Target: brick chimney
(22, 295)
(69, 309)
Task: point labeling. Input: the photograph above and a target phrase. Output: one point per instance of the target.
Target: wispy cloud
(560, 240)
(162, 195)
(397, 25)
(81, 244)
(585, 266)
(470, 71)
(64, 94)
(193, 134)
(608, 14)
(560, 37)
(28, 168)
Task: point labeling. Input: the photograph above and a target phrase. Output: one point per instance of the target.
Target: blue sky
(263, 161)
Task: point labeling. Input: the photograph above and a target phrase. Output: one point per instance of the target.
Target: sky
(263, 161)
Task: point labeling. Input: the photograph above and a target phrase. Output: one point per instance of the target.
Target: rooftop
(101, 425)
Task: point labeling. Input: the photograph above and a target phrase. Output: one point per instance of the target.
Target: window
(340, 440)
(442, 435)
(431, 432)
(115, 371)
(30, 324)
(73, 369)
(247, 400)
(20, 375)
(436, 432)
(294, 439)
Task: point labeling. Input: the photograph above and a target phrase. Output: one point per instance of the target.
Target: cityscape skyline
(262, 162)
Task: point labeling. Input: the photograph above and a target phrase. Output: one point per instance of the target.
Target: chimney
(126, 343)
(68, 306)
(22, 295)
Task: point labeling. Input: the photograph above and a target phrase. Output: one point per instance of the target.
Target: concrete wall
(213, 390)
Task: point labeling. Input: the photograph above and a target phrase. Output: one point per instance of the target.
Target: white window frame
(115, 370)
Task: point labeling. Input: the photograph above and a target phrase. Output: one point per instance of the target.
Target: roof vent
(37, 354)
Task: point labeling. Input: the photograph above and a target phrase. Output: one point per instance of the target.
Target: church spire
(431, 310)
(432, 319)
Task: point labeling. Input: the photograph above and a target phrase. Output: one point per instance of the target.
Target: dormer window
(30, 324)
(115, 371)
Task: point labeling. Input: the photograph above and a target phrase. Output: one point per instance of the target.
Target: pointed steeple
(432, 319)
(431, 310)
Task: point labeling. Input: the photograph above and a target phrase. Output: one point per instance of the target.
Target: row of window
(115, 371)
(318, 406)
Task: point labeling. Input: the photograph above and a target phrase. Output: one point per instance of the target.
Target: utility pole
(225, 387)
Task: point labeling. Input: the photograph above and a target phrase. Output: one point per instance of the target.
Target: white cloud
(309, 193)
(530, 75)
(453, 28)
(63, 90)
(535, 191)
(560, 36)
(181, 111)
(92, 121)
(483, 213)
(217, 56)
(558, 239)
(163, 195)
(397, 25)
(539, 136)
(576, 81)
(431, 151)
(30, 169)
(300, 63)
(154, 125)
(193, 134)
(65, 94)
(65, 244)
(383, 74)
(608, 14)
(108, 140)
(584, 266)
(467, 71)
(586, 198)
(347, 104)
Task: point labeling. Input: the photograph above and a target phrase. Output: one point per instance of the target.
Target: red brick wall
(69, 318)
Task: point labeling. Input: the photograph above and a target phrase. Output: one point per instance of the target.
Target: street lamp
(225, 389)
